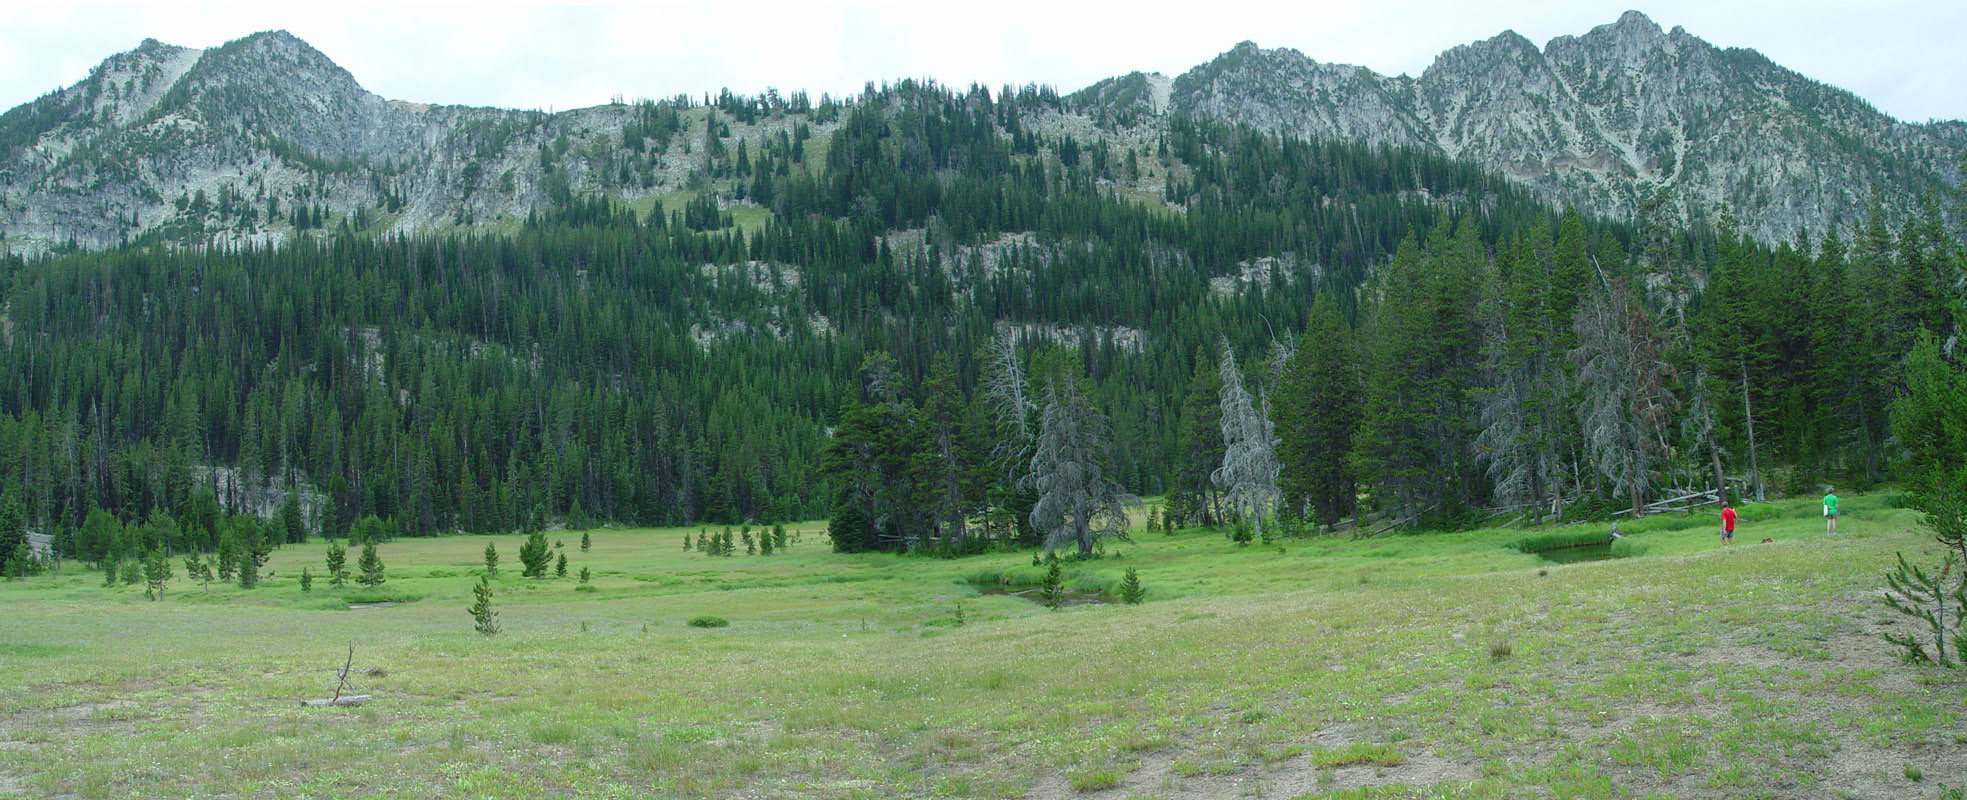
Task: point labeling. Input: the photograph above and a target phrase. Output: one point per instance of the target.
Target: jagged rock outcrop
(1603, 120)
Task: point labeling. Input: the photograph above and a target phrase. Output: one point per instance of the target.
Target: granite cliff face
(1604, 120)
(255, 139)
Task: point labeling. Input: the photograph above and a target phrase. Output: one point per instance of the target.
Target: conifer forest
(1404, 337)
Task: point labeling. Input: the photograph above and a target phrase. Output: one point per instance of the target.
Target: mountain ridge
(267, 125)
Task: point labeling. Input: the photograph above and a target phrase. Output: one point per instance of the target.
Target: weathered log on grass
(351, 700)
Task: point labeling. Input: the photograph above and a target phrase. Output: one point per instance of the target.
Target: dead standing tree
(1627, 403)
(1008, 397)
(1249, 470)
(341, 685)
(1077, 503)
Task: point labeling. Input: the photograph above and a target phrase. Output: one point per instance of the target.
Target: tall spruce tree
(1316, 411)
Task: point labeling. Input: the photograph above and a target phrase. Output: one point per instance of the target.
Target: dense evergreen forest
(1420, 335)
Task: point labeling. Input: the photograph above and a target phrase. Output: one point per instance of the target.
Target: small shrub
(959, 612)
(1542, 572)
(590, 588)
(1913, 773)
(708, 621)
(1500, 650)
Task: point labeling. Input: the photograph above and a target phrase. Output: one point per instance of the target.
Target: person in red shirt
(1727, 524)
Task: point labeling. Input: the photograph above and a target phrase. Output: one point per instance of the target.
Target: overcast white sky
(1901, 55)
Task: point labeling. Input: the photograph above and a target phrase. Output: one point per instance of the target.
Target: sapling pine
(491, 559)
(1053, 591)
(587, 542)
(109, 569)
(1937, 601)
(249, 570)
(778, 536)
(585, 575)
(750, 547)
(1131, 591)
(371, 565)
(228, 556)
(198, 570)
(337, 564)
(560, 569)
(485, 619)
(132, 572)
(535, 556)
(307, 579)
(156, 573)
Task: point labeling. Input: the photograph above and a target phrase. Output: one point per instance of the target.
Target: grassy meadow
(1436, 665)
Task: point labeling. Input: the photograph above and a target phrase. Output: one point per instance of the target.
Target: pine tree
(13, 528)
(307, 579)
(337, 564)
(249, 569)
(1316, 412)
(371, 566)
(1077, 503)
(1052, 592)
(198, 570)
(560, 567)
(1193, 499)
(109, 570)
(587, 542)
(228, 556)
(535, 556)
(1248, 473)
(1628, 400)
(1131, 591)
(485, 620)
(156, 573)
(491, 559)
(586, 575)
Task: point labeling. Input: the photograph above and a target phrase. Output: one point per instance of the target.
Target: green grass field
(1440, 665)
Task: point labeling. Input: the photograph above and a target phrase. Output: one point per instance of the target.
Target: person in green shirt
(1830, 511)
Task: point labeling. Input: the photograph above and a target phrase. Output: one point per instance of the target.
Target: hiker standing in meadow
(1830, 511)
(1727, 524)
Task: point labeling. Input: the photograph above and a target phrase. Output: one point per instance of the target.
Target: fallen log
(351, 700)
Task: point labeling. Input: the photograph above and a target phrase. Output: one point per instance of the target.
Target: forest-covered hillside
(688, 364)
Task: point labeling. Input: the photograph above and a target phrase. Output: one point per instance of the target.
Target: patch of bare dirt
(1157, 776)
